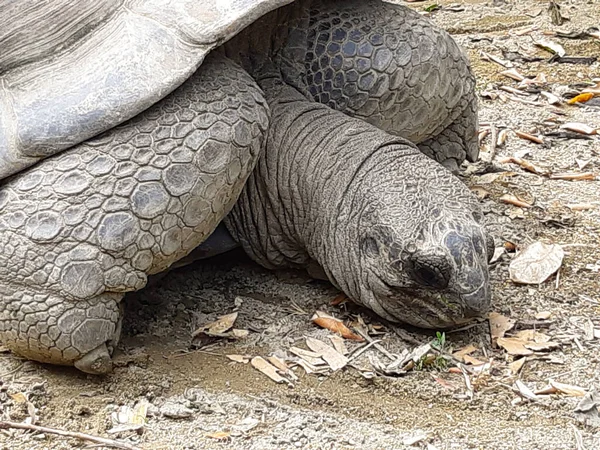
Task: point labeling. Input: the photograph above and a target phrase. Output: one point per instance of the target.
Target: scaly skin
(387, 225)
(389, 66)
(80, 229)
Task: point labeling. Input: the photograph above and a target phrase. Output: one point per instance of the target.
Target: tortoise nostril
(430, 270)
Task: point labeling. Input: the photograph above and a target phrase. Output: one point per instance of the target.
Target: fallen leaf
(268, 369)
(551, 47)
(219, 326)
(578, 127)
(129, 419)
(581, 206)
(339, 299)
(542, 346)
(446, 384)
(19, 397)
(552, 99)
(460, 354)
(516, 366)
(4, 349)
(543, 315)
(536, 263)
(219, 435)
(514, 346)
(529, 137)
(568, 389)
(499, 325)
(514, 200)
(324, 320)
(513, 73)
(581, 98)
(314, 359)
(338, 344)
(588, 409)
(335, 359)
(473, 361)
(532, 336)
(573, 176)
(524, 390)
(239, 358)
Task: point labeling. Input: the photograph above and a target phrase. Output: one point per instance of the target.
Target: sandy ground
(194, 394)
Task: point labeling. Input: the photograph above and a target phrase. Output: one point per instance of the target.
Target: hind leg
(80, 229)
(393, 68)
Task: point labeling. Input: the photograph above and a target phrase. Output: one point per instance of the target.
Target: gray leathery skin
(391, 67)
(72, 69)
(369, 209)
(80, 229)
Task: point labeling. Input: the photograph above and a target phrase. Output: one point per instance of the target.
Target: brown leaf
(335, 359)
(473, 361)
(19, 397)
(499, 325)
(573, 176)
(581, 98)
(514, 200)
(268, 369)
(568, 389)
(578, 127)
(542, 346)
(516, 366)
(514, 346)
(328, 322)
(339, 299)
(460, 354)
(529, 137)
(219, 435)
(239, 358)
(219, 326)
(536, 263)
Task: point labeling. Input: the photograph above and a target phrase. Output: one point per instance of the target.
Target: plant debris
(536, 263)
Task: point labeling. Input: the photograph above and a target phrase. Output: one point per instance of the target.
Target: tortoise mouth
(432, 309)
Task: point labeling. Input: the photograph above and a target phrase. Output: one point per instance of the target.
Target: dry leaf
(552, 99)
(581, 98)
(543, 315)
(219, 435)
(514, 346)
(335, 359)
(338, 344)
(460, 354)
(516, 366)
(581, 206)
(514, 200)
(578, 127)
(568, 389)
(4, 349)
(339, 299)
(513, 73)
(533, 336)
(268, 369)
(536, 263)
(573, 176)
(551, 47)
(218, 327)
(473, 361)
(529, 137)
(499, 325)
(524, 390)
(239, 358)
(19, 397)
(324, 320)
(314, 359)
(542, 346)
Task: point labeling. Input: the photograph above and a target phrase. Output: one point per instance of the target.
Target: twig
(5, 425)
(359, 351)
(375, 344)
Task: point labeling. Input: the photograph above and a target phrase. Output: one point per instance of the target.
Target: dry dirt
(347, 410)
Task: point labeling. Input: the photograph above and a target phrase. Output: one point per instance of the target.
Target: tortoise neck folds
(369, 208)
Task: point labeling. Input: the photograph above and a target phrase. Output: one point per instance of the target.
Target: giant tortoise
(314, 134)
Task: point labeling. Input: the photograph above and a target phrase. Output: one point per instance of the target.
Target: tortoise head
(419, 253)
